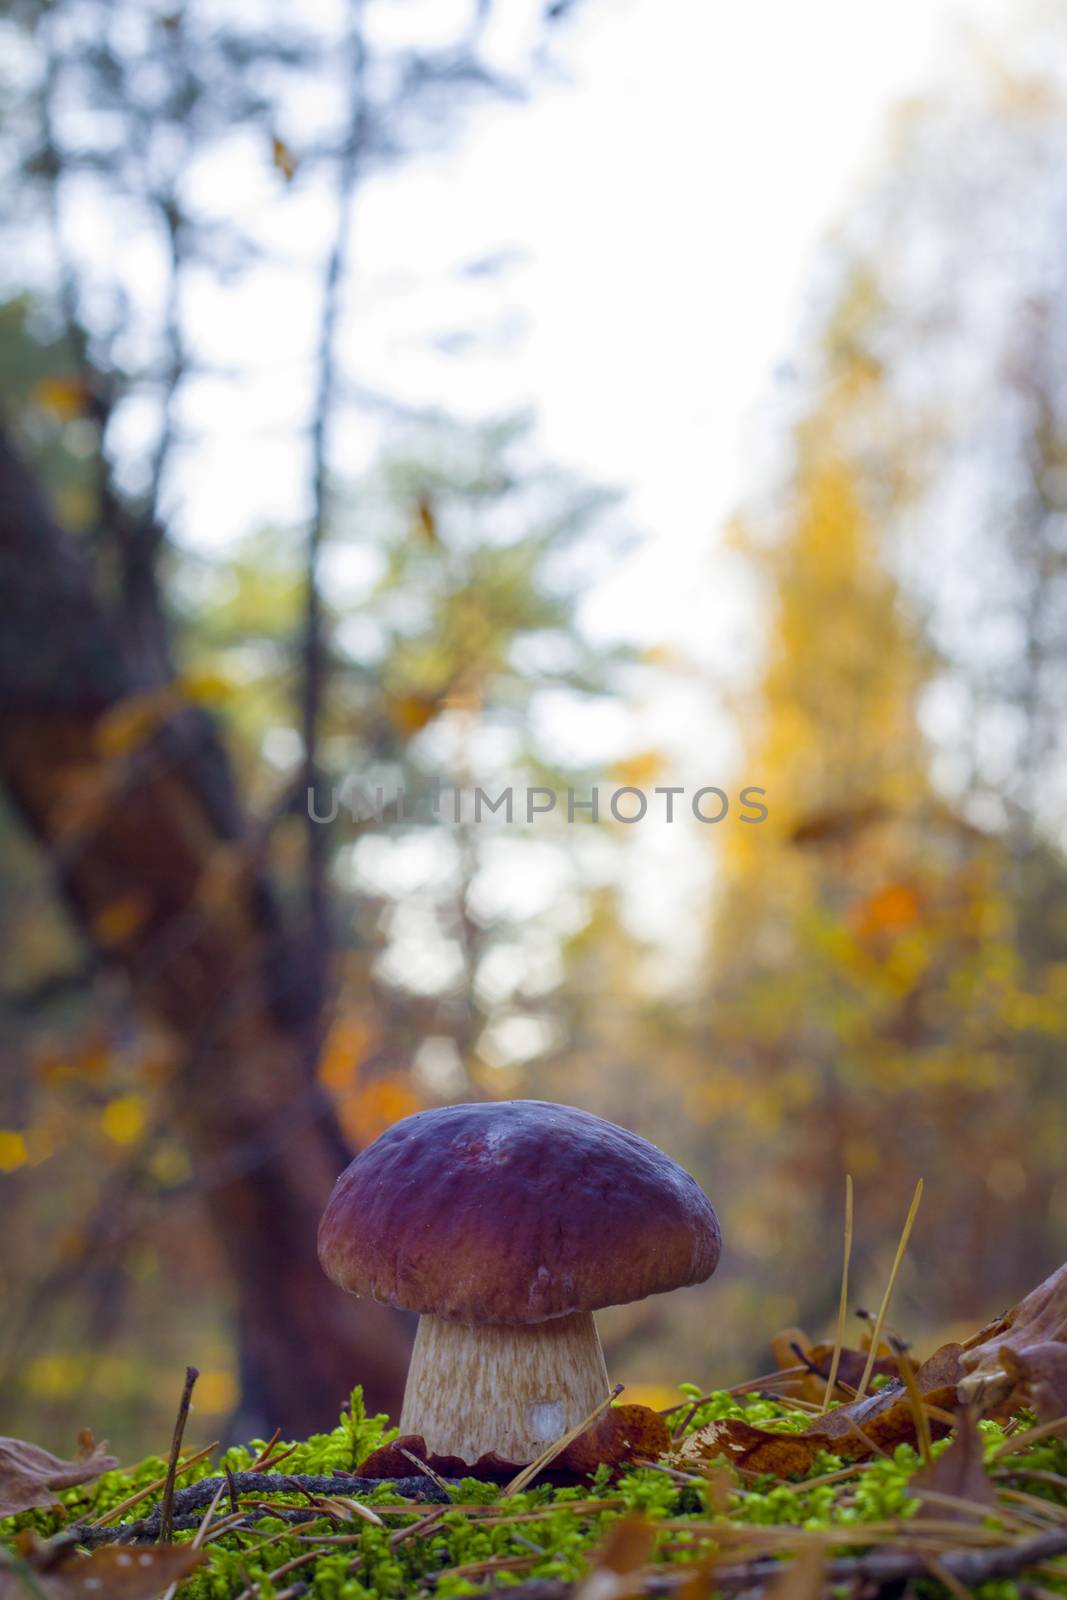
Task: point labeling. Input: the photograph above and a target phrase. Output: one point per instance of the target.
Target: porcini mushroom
(505, 1226)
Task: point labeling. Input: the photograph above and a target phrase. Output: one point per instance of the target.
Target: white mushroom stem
(508, 1388)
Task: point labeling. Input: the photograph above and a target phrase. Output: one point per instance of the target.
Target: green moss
(571, 1524)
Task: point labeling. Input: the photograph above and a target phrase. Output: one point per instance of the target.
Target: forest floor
(984, 1513)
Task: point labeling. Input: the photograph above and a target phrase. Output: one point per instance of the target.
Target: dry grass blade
(358, 1509)
(528, 1474)
(1022, 1441)
(233, 1519)
(915, 1400)
(1046, 1513)
(198, 1538)
(488, 1565)
(883, 1309)
(264, 1455)
(842, 1305)
(422, 1526)
(974, 1508)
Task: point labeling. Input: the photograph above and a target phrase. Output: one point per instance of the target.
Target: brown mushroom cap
(515, 1211)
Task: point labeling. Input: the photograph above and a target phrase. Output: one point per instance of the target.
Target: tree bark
(144, 828)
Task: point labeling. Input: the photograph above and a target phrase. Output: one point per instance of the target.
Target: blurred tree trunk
(130, 793)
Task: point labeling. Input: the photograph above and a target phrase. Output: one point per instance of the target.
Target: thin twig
(166, 1515)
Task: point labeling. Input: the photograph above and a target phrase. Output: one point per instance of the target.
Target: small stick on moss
(231, 1486)
(842, 1306)
(166, 1515)
(883, 1309)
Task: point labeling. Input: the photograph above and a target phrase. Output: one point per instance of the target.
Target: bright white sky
(663, 209)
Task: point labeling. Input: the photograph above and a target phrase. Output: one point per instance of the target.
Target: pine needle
(1022, 1441)
(142, 1494)
(842, 1306)
(918, 1408)
(883, 1309)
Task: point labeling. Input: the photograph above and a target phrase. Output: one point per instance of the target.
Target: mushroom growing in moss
(505, 1226)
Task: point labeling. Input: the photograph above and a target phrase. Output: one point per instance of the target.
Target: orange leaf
(283, 158)
(892, 910)
(62, 397)
(620, 1434)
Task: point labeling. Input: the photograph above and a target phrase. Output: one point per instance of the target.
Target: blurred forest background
(207, 1000)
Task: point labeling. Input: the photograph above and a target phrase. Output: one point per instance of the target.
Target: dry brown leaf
(791, 1348)
(959, 1472)
(880, 1421)
(117, 1572)
(852, 1364)
(851, 1367)
(29, 1475)
(621, 1434)
(1040, 1318)
(785, 1455)
(1039, 1378)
